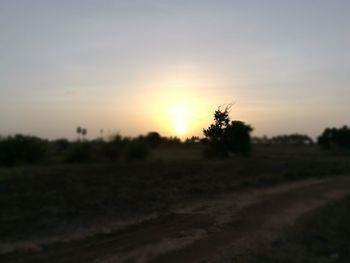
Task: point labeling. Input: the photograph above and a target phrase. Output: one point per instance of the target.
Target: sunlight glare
(177, 108)
(180, 128)
(180, 115)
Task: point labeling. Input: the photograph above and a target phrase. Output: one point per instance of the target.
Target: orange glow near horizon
(177, 117)
(182, 104)
(178, 112)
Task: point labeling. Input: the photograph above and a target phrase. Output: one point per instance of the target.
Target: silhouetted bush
(137, 149)
(238, 138)
(79, 152)
(335, 137)
(22, 149)
(225, 136)
(153, 138)
(60, 145)
(113, 148)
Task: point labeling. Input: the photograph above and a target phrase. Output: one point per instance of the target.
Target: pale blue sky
(116, 65)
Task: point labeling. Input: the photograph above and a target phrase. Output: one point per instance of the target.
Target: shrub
(22, 149)
(137, 149)
(79, 152)
(60, 145)
(112, 149)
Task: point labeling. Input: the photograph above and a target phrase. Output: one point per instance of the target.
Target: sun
(180, 128)
(177, 112)
(180, 115)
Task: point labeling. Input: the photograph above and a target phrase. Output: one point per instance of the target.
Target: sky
(135, 66)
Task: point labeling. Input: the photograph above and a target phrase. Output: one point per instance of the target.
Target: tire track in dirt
(260, 222)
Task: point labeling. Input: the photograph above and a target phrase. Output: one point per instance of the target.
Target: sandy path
(201, 232)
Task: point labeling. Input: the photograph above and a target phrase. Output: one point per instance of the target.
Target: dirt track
(207, 231)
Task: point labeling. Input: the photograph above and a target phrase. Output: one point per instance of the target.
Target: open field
(186, 131)
(98, 206)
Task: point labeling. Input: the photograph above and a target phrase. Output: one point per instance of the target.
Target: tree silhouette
(339, 137)
(153, 138)
(84, 132)
(225, 136)
(216, 131)
(238, 137)
(81, 131)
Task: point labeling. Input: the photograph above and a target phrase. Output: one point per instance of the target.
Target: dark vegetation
(54, 194)
(22, 149)
(335, 138)
(225, 136)
(286, 139)
(323, 236)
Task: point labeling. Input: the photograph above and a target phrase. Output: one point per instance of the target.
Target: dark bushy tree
(153, 138)
(22, 149)
(339, 137)
(238, 137)
(225, 136)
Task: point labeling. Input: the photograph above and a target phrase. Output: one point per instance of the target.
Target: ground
(186, 215)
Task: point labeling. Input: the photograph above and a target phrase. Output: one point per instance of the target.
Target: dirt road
(206, 231)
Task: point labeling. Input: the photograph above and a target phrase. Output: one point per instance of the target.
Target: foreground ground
(212, 231)
(166, 211)
(318, 237)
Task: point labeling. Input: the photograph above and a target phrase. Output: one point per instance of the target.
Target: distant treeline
(20, 149)
(286, 139)
(23, 149)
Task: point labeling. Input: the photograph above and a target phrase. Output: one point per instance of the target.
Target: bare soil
(205, 231)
